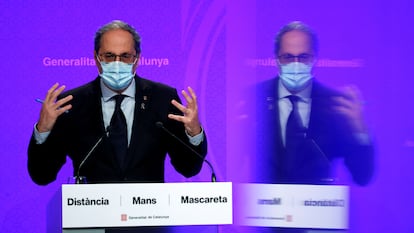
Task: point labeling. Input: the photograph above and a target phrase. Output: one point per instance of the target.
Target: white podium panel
(148, 204)
(296, 206)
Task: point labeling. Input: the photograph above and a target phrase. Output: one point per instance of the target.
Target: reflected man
(304, 126)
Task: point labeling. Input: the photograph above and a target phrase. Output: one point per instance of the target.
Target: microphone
(213, 174)
(78, 178)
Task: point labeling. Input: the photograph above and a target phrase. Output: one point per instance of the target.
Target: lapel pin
(145, 98)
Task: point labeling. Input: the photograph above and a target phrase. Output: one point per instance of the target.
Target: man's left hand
(190, 113)
(351, 106)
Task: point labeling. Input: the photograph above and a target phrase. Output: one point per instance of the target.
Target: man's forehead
(297, 40)
(117, 39)
(295, 36)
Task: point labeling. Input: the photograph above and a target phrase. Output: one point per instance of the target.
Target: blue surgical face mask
(117, 75)
(295, 76)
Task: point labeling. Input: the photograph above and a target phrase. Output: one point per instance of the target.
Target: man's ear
(98, 64)
(134, 68)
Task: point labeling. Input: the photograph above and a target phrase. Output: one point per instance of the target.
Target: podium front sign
(292, 206)
(163, 204)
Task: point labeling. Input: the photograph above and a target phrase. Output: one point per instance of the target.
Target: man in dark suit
(71, 123)
(329, 123)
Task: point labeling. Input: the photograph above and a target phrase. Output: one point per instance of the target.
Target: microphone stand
(213, 174)
(78, 178)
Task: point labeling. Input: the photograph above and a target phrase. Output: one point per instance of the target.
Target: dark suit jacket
(77, 131)
(328, 137)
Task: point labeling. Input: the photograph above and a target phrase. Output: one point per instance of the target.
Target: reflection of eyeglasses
(288, 58)
(125, 57)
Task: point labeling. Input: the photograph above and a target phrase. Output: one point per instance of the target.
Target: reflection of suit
(77, 131)
(328, 137)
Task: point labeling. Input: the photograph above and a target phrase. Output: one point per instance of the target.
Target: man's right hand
(52, 109)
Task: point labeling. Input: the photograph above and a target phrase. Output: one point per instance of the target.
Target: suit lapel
(96, 106)
(142, 113)
(269, 141)
(321, 110)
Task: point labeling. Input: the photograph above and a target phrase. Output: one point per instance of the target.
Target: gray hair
(117, 24)
(298, 26)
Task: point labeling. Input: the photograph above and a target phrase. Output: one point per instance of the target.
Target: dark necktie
(295, 135)
(118, 131)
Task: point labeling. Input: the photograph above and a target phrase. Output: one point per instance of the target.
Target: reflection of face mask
(295, 75)
(117, 75)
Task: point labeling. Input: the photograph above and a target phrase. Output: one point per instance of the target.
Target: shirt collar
(304, 95)
(107, 93)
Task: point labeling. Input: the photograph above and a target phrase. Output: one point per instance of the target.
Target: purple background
(211, 46)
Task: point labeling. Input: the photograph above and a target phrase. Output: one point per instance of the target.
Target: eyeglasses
(288, 58)
(125, 57)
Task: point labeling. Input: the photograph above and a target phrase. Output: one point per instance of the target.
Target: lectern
(95, 207)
